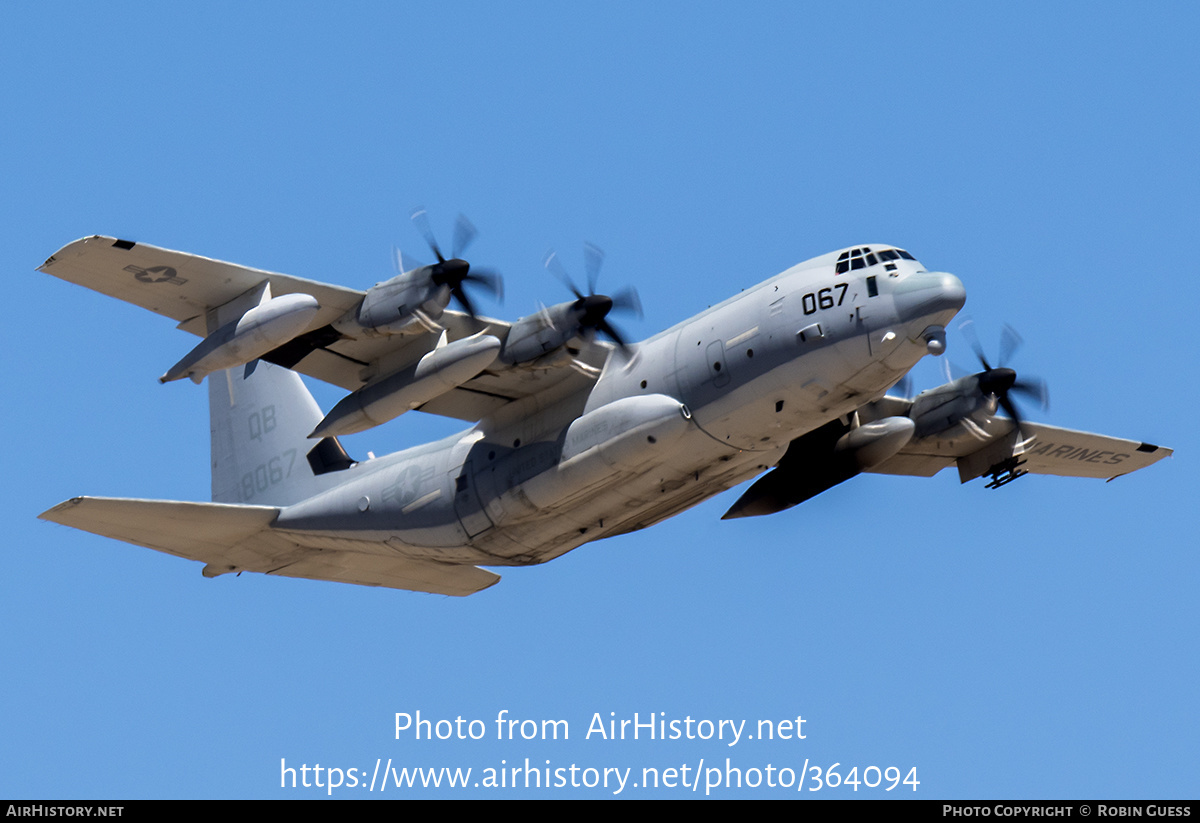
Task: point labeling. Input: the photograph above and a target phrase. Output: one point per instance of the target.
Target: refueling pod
(270, 324)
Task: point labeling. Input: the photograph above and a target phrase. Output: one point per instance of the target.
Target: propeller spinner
(1000, 382)
(456, 272)
(591, 310)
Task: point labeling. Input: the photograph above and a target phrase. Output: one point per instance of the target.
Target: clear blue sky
(1037, 641)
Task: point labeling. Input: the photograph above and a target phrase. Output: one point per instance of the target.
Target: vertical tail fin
(260, 416)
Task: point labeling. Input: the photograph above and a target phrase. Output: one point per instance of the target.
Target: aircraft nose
(929, 292)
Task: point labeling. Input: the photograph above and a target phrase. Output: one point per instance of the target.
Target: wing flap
(233, 538)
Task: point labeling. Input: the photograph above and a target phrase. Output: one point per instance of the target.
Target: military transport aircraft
(574, 438)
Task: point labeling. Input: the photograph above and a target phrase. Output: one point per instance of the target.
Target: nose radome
(929, 292)
(953, 290)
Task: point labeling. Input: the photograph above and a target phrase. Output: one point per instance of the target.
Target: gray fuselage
(692, 411)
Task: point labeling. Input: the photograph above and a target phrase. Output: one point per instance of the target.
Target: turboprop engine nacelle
(407, 302)
(262, 328)
(540, 334)
(445, 368)
(939, 409)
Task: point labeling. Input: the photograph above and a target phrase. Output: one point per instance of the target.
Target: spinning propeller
(1000, 381)
(455, 272)
(591, 310)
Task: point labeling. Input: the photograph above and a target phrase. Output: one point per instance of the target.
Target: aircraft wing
(177, 285)
(185, 287)
(1048, 450)
(232, 538)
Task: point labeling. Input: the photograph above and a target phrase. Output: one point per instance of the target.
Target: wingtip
(49, 515)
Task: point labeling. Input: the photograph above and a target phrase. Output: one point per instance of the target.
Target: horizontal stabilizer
(197, 531)
(232, 538)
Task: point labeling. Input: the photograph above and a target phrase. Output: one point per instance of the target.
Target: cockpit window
(864, 257)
